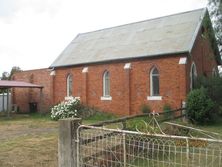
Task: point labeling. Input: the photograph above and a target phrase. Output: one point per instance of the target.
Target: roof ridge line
(156, 18)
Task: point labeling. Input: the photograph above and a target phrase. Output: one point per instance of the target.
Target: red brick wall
(23, 96)
(203, 57)
(129, 88)
(60, 83)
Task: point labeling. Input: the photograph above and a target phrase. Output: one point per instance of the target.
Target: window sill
(106, 98)
(71, 97)
(154, 97)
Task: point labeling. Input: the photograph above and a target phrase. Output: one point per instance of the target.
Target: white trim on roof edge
(197, 30)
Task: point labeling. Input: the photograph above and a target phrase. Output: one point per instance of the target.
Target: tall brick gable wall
(203, 57)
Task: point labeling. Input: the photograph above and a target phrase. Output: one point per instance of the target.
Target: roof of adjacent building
(17, 84)
(165, 35)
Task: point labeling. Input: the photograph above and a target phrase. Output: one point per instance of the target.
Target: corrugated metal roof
(18, 84)
(164, 35)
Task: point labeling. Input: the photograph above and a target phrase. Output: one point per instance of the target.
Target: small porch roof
(17, 84)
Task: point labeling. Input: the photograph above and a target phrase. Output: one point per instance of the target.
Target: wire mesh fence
(102, 147)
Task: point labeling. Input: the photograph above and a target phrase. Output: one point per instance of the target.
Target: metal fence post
(183, 111)
(8, 112)
(187, 152)
(124, 150)
(67, 147)
(124, 125)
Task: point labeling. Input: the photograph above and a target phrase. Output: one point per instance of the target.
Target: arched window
(69, 85)
(193, 75)
(106, 84)
(154, 82)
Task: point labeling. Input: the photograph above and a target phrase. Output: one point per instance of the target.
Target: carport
(6, 85)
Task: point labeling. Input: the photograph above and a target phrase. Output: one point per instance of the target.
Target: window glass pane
(69, 85)
(154, 80)
(106, 86)
(155, 85)
(155, 72)
(193, 76)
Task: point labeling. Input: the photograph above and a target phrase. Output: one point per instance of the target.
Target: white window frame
(193, 65)
(106, 86)
(68, 85)
(152, 96)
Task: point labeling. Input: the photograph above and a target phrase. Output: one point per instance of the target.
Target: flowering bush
(66, 109)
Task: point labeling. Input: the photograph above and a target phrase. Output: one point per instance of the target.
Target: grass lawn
(211, 127)
(28, 141)
(31, 140)
(214, 127)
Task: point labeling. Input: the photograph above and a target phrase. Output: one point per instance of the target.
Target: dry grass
(32, 140)
(28, 142)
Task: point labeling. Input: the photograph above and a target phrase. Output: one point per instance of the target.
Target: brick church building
(119, 69)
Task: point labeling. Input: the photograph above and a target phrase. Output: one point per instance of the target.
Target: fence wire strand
(102, 147)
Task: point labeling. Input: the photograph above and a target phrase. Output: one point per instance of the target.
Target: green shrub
(86, 111)
(99, 116)
(213, 86)
(166, 110)
(137, 124)
(145, 108)
(220, 111)
(199, 106)
(166, 107)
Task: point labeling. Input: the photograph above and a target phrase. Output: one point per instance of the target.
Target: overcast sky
(34, 32)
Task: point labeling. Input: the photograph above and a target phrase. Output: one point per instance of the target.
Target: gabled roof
(165, 35)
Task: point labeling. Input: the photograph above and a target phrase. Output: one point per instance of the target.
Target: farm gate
(104, 147)
(104, 144)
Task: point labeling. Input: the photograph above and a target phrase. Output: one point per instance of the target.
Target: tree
(5, 75)
(8, 76)
(14, 70)
(215, 11)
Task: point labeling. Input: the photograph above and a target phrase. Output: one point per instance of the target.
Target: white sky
(34, 32)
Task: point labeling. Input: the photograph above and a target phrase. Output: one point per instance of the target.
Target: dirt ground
(28, 142)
